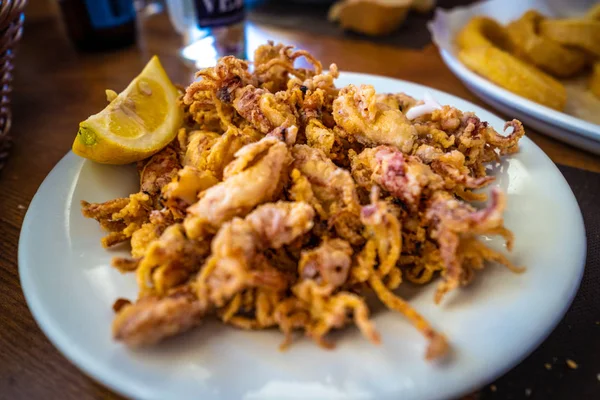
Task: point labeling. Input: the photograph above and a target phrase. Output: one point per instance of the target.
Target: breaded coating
(285, 200)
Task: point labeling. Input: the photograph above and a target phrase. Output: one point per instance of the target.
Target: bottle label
(109, 13)
(214, 13)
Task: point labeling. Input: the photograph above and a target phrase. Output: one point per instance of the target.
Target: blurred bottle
(99, 24)
(211, 28)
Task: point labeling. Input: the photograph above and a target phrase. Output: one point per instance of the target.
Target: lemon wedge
(137, 123)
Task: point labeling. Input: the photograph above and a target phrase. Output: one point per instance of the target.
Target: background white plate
(70, 287)
(561, 126)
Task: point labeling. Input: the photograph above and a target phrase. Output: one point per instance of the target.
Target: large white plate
(492, 325)
(561, 126)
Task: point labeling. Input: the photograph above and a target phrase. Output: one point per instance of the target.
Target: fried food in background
(487, 48)
(526, 55)
(375, 17)
(485, 32)
(543, 52)
(594, 12)
(595, 80)
(581, 33)
(284, 200)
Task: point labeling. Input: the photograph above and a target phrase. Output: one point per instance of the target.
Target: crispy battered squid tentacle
(285, 60)
(121, 217)
(328, 311)
(169, 261)
(332, 186)
(265, 211)
(158, 171)
(438, 344)
(455, 223)
(184, 189)
(234, 196)
(229, 74)
(153, 319)
(328, 263)
(420, 269)
(383, 228)
(406, 178)
(372, 122)
(507, 144)
(236, 262)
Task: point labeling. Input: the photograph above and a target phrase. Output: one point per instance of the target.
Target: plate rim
(123, 386)
(546, 114)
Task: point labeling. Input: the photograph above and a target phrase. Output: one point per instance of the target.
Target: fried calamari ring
(580, 33)
(485, 48)
(485, 32)
(595, 80)
(541, 51)
(515, 75)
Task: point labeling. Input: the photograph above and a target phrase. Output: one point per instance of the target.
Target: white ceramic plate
(492, 325)
(561, 126)
(558, 125)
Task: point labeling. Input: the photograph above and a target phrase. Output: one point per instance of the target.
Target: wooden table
(55, 88)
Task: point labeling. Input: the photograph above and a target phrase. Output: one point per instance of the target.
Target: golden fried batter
(235, 261)
(404, 177)
(258, 181)
(453, 223)
(266, 212)
(121, 217)
(169, 261)
(328, 264)
(333, 187)
(150, 231)
(154, 318)
(184, 189)
(371, 122)
(197, 148)
(320, 137)
(158, 171)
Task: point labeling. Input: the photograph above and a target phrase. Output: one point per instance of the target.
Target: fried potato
(515, 75)
(541, 51)
(580, 33)
(486, 47)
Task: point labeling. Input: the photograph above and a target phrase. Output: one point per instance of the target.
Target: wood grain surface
(55, 88)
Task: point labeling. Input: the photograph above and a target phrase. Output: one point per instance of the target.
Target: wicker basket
(11, 29)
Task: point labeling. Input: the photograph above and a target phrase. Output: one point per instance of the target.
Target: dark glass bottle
(99, 24)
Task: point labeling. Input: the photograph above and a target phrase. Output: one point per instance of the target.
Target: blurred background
(397, 23)
(397, 27)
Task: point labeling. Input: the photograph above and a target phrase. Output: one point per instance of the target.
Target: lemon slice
(137, 123)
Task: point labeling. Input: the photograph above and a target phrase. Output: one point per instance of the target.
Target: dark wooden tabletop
(55, 88)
